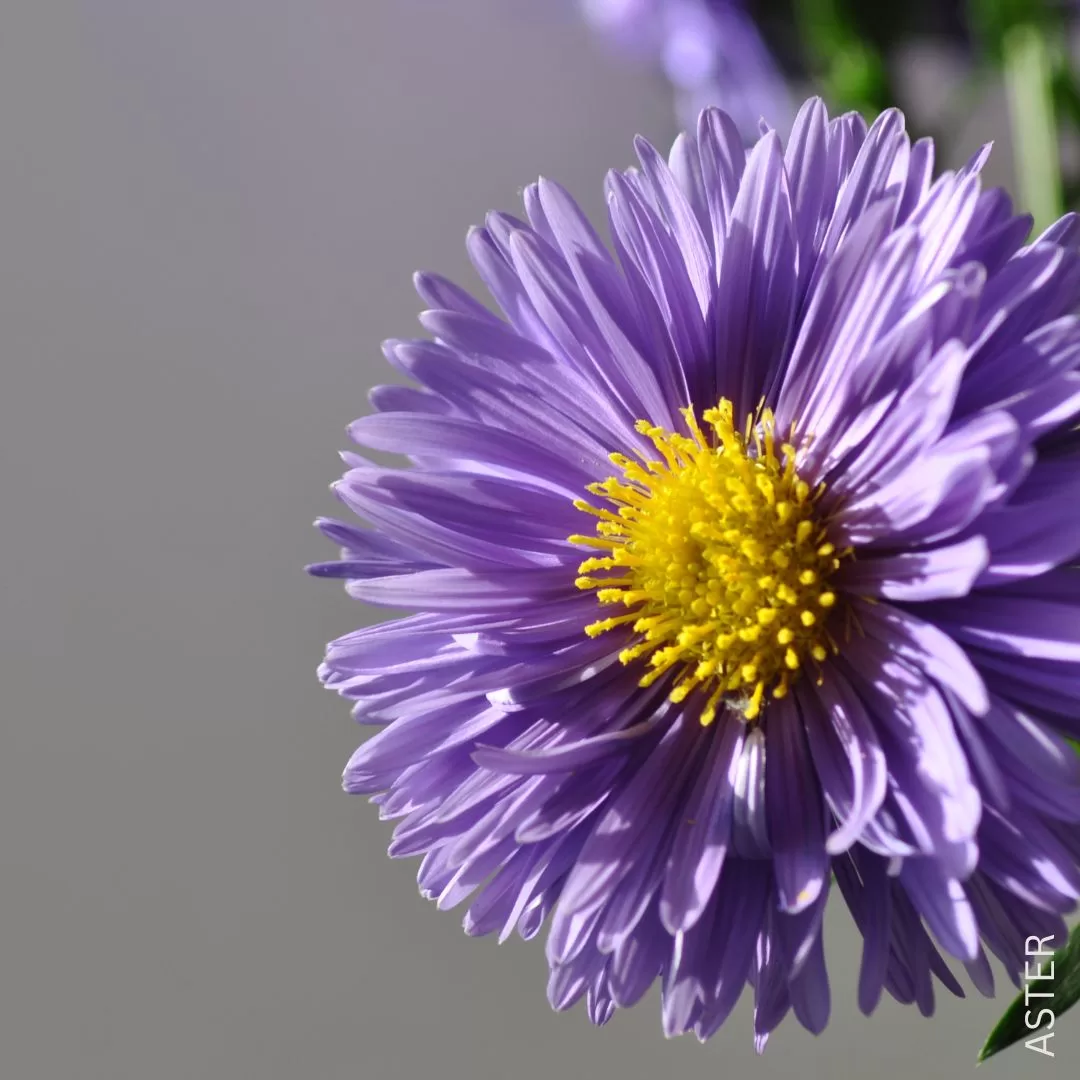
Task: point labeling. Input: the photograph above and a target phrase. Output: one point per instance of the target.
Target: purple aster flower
(710, 50)
(742, 563)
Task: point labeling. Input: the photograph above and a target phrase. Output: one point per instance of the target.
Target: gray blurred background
(209, 212)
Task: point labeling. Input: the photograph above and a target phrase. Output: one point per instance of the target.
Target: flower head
(743, 563)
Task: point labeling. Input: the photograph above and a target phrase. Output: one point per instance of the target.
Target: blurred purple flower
(741, 560)
(711, 52)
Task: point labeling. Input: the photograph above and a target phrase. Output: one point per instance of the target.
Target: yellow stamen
(719, 560)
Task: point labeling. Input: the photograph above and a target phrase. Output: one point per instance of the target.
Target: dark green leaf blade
(1065, 985)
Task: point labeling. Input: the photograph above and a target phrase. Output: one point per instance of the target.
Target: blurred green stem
(1028, 82)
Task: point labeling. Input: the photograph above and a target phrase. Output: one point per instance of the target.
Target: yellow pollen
(716, 554)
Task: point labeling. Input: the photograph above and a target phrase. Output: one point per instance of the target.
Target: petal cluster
(928, 355)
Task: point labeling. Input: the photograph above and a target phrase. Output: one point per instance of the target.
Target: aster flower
(742, 565)
(710, 51)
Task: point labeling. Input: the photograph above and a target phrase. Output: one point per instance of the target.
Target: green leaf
(1061, 978)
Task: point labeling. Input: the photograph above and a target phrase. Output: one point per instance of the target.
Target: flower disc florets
(717, 554)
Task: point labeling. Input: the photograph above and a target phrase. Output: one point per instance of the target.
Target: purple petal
(755, 294)
(931, 574)
(847, 756)
(945, 906)
(796, 810)
(702, 837)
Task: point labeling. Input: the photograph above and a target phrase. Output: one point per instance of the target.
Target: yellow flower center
(718, 558)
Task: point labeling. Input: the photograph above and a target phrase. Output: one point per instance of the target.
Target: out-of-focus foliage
(991, 21)
(848, 61)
